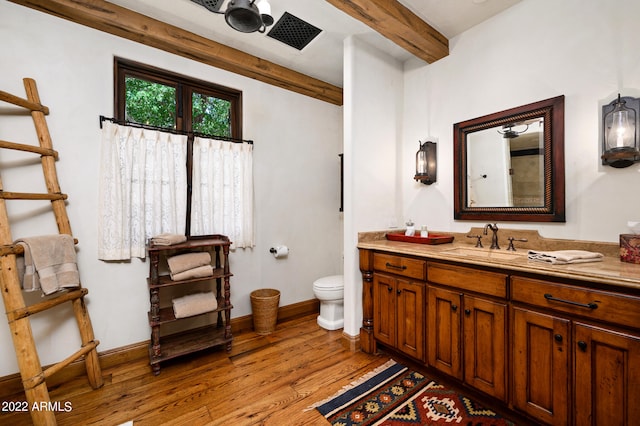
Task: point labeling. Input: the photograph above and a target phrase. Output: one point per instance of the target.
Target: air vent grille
(212, 5)
(293, 31)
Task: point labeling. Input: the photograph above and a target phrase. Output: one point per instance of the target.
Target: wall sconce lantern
(620, 128)
(426, 163)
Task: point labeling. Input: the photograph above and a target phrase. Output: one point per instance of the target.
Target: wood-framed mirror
(509, 165)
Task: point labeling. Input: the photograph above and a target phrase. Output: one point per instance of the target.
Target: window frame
(184, 86)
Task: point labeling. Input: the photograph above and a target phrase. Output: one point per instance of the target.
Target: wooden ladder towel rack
(18, 313)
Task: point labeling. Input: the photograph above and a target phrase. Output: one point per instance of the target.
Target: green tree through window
(211, 115)
(150, 103)
(155, 97)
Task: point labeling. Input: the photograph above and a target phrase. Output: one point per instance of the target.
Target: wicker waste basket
(264, 305)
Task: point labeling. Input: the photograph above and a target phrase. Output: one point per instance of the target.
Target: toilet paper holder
(279, 251)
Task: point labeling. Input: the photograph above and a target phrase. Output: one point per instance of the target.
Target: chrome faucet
(494, 237)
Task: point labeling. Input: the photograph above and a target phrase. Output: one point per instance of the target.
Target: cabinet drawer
(400, 265)
(595, 304)
(470, 279)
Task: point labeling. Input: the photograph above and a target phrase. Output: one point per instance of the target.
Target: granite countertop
(609, 271)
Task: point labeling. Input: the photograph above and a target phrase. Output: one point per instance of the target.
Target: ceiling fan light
(509, 133)
(243, 16)
(265, 12)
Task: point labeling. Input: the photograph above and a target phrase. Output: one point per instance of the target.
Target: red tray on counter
(431, 239)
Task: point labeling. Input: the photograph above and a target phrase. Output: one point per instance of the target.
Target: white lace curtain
(143, 189)
(222, 200)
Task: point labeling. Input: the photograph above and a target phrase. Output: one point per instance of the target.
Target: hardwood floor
(264, 380)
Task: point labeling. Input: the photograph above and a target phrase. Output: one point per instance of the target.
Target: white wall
(538, 49)
(296, 173)
(488, 174)
(372, 123)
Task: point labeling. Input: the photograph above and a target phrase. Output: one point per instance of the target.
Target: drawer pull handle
(402, 267)
(591, 305)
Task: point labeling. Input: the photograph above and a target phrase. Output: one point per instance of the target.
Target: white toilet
(330, 291)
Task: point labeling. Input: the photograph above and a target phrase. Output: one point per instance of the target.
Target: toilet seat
(331, 282)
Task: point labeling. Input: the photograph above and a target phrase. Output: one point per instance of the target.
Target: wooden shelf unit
(162, 348)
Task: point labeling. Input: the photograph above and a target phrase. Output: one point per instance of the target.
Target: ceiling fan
(246, 16)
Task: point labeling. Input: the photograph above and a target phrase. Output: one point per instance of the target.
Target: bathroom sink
(487, 253)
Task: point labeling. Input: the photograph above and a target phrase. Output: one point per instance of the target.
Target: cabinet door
(485, 347)
(444, 331)
(411, 320)
(384, 309)
(607, 377)
(540, 365)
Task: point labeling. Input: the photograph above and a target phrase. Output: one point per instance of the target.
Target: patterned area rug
(393, 395)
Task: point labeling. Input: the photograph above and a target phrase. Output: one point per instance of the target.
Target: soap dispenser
(411, 230)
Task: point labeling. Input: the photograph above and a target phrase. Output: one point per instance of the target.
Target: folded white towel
(184, 262)
(168, 239)
(194, 304)
(563, 257)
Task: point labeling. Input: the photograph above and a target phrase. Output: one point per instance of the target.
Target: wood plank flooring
(264, 380)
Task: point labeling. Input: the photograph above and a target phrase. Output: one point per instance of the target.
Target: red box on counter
(630, 248)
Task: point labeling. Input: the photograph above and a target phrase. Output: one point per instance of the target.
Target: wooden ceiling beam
(397, 23)
(125, 23)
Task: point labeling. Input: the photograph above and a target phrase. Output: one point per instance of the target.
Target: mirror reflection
(510, 165)
(506, 165)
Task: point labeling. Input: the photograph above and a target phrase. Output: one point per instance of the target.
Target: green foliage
(211, 115)
(155, 104)
(150, 103)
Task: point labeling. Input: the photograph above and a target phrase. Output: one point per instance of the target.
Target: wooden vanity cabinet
(485, 345)
(576, 353)
(467, 326)
(541, 365)
(607, 376)
(560, 350)
(445, 327)
(399, 303)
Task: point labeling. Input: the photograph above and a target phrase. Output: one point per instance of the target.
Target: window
(218, 171)
(150, 96)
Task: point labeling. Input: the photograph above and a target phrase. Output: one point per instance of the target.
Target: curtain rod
(173, 131)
